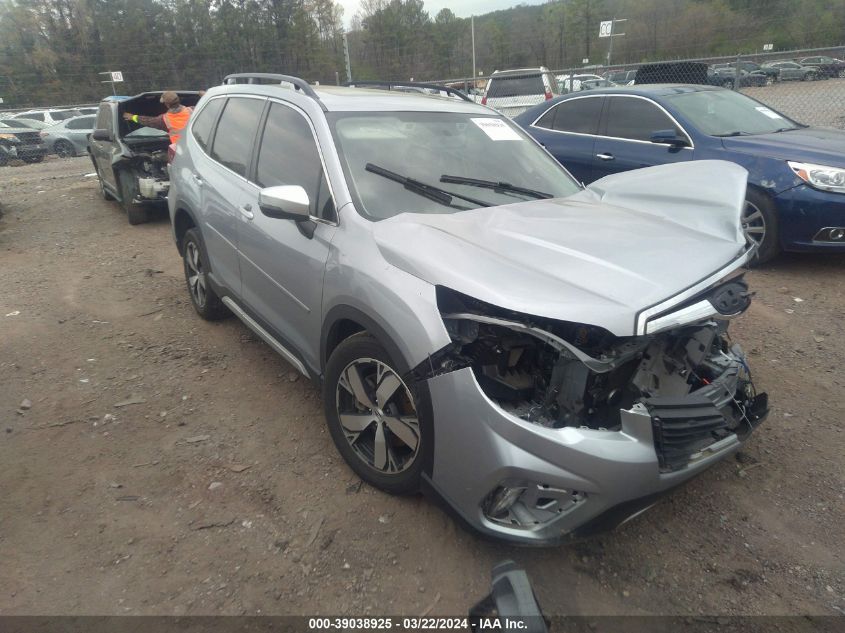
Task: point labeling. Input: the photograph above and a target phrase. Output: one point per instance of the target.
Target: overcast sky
(461, 8)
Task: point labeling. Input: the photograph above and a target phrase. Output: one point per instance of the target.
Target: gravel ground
(171, 466)
(808, 102)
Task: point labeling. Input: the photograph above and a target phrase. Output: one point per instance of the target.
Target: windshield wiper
(736, 133)
(427, 191)
(498, 187)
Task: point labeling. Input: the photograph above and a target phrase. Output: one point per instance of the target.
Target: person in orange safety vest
(173, 121)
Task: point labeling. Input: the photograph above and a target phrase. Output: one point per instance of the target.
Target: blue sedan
(796, 174)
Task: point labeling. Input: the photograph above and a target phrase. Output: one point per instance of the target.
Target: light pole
(472, 31)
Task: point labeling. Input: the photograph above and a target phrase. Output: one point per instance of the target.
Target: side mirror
(668, 137)
(286, 202)
(102, 135)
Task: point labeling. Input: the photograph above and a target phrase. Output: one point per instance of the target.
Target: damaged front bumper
(560, 483)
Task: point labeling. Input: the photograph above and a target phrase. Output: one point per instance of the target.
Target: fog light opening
(502, 500)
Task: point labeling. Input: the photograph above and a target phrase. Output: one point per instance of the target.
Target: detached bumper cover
(610, 475)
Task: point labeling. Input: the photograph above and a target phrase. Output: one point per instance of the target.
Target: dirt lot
(219, 491)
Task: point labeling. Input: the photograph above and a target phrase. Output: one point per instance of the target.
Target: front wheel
(760, 225)
(379, 424)
(137, 213)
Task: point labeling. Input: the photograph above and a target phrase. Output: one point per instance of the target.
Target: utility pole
(346, 58)
(472, 31)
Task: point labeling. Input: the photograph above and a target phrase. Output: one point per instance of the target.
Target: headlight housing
(820, 176)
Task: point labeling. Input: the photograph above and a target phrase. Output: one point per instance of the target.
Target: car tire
(137, 214)
(64, 149)
(728, 84)
(841, 74)
(759, 213)
(392, 450)
(32, 159)
(205, 301)
(810, 77)
(769, 80)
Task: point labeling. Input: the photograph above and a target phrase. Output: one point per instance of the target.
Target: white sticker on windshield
(497, 129)
(769, 113)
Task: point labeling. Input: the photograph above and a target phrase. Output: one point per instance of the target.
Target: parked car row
(41, 132)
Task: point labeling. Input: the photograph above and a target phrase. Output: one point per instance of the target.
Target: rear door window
(580, 116)
(235, 136)
(516, 86)
(38, 116)
(203, 125)
(82, 123)
(636, 119)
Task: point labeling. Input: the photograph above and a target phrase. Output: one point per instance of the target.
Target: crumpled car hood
(627, 242)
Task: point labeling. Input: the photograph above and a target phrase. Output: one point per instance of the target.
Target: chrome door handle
(246, 211)
(605, 156)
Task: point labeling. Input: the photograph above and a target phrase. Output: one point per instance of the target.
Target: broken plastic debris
(15, 313)
(797, 299)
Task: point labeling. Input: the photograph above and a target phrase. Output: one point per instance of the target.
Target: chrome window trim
(691, 145)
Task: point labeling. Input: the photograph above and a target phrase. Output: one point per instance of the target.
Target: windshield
(426, 146)
(728, 113)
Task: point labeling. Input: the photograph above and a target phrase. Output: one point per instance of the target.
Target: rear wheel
(760, 225)
(205, 301)
(102, 187)
(64, 149)
(137, 213)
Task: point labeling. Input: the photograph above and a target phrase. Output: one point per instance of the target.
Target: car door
(105, 151)
(627, 125)
(221, 175)
(790, 71)
(282, 268)
(77, 130)
(567, 131)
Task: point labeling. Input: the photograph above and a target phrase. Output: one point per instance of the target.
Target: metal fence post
(737, 74)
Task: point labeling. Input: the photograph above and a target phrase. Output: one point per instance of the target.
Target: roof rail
(389, 85)
(255, 78)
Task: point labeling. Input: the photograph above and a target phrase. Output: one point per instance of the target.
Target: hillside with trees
(52, 50)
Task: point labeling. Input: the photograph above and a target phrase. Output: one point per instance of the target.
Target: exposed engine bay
(149, 167)
(695, 383)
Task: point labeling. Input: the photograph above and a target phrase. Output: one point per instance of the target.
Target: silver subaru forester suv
(548, 359)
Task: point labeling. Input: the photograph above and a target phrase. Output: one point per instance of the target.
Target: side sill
(265, 336)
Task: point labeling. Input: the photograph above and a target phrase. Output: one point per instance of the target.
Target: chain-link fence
(806, 85)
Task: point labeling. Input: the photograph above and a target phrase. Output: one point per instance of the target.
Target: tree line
(52, 50)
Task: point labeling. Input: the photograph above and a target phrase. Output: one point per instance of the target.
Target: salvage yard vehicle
(796, 173)
(47, 116)
(548, 359)
(131, 161)
(17, 141)
(514, 91)
(69, 137)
